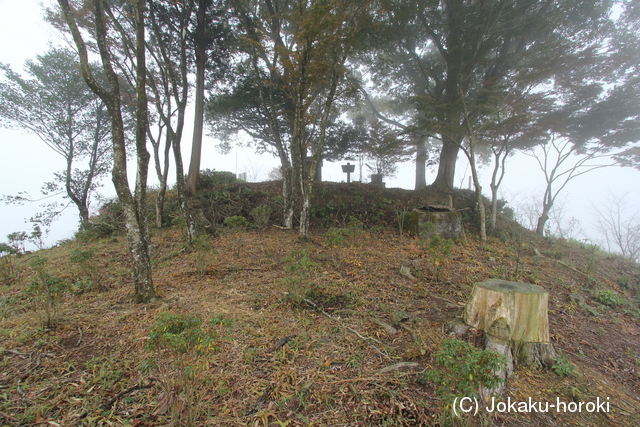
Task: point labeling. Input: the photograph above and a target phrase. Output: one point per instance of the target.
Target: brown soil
(94, 368)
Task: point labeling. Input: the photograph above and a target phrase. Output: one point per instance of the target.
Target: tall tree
(133, 203)
(168, 80)
(595, 108)
(440, 53)
(561, 161)
(55, 104)
(296, 56)
(170, 50)
(510, 126)
(619, 223)
(210, 38)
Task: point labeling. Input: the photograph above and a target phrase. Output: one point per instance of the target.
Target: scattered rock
(577, 299)
(406, 272)
(387, 327)
(398, 366)
(457, 328)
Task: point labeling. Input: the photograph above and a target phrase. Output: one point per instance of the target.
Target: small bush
(78, 256)
(211, 179)
(340, 236)
(47, 290)
(564, 368)
(463, 370)
(236, 222)
(8, 250)
(299, 265)
(109, 221)
(261, 216)
(8, 270)
(334, 237)
(87, 272)
(203, 253)
(220, 320)
(441, 251)
(609, 297)
(82, 286)
(180, 333)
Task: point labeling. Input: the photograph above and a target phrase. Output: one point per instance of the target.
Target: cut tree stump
(514, 318)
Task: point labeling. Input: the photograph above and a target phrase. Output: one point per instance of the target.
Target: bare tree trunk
(481, 212)
(201, 62)
(176, 86)
(305, 214)
(132, 204)
(161, 169)
(500, 157)
(470, 152)
(421, 164)
(478, 191)
(140, 239)
(288, 196)
(543, 218)
(162, 192)
(447, 165)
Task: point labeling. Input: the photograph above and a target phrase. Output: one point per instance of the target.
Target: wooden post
(514, 318)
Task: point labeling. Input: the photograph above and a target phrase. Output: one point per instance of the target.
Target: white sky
(26, 163)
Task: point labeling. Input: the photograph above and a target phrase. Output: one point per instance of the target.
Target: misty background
(26, 163)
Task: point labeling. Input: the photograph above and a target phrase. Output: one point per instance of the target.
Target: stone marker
(429, 223)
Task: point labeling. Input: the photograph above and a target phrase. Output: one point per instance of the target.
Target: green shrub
(110, 220)
(220, 320)
(87, 272)
(339, 236)
(8, 250)
(81, 286)
(78, 256)
(334, 237)
(211, 179)
(180, 333)
(8, 269)
(298, 266)
(204, 253)
(463, 370)
(17, 240)
(46, 290)
(236, 222)
(261, 216)
(440, 250)
(564, 368)
(609, 297)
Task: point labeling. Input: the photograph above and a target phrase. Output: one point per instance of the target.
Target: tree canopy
(54, 103)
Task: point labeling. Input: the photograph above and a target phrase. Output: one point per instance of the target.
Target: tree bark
(421, 164)
(141, 242)
(133, 204)
(163, 174)
(499, 169)
(175, 84)
(447, 165)
(198, 125)
(547, 204)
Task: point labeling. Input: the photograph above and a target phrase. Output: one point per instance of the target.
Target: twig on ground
(283, 341)
(358, 334)
(261, 400)
(117, 397)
